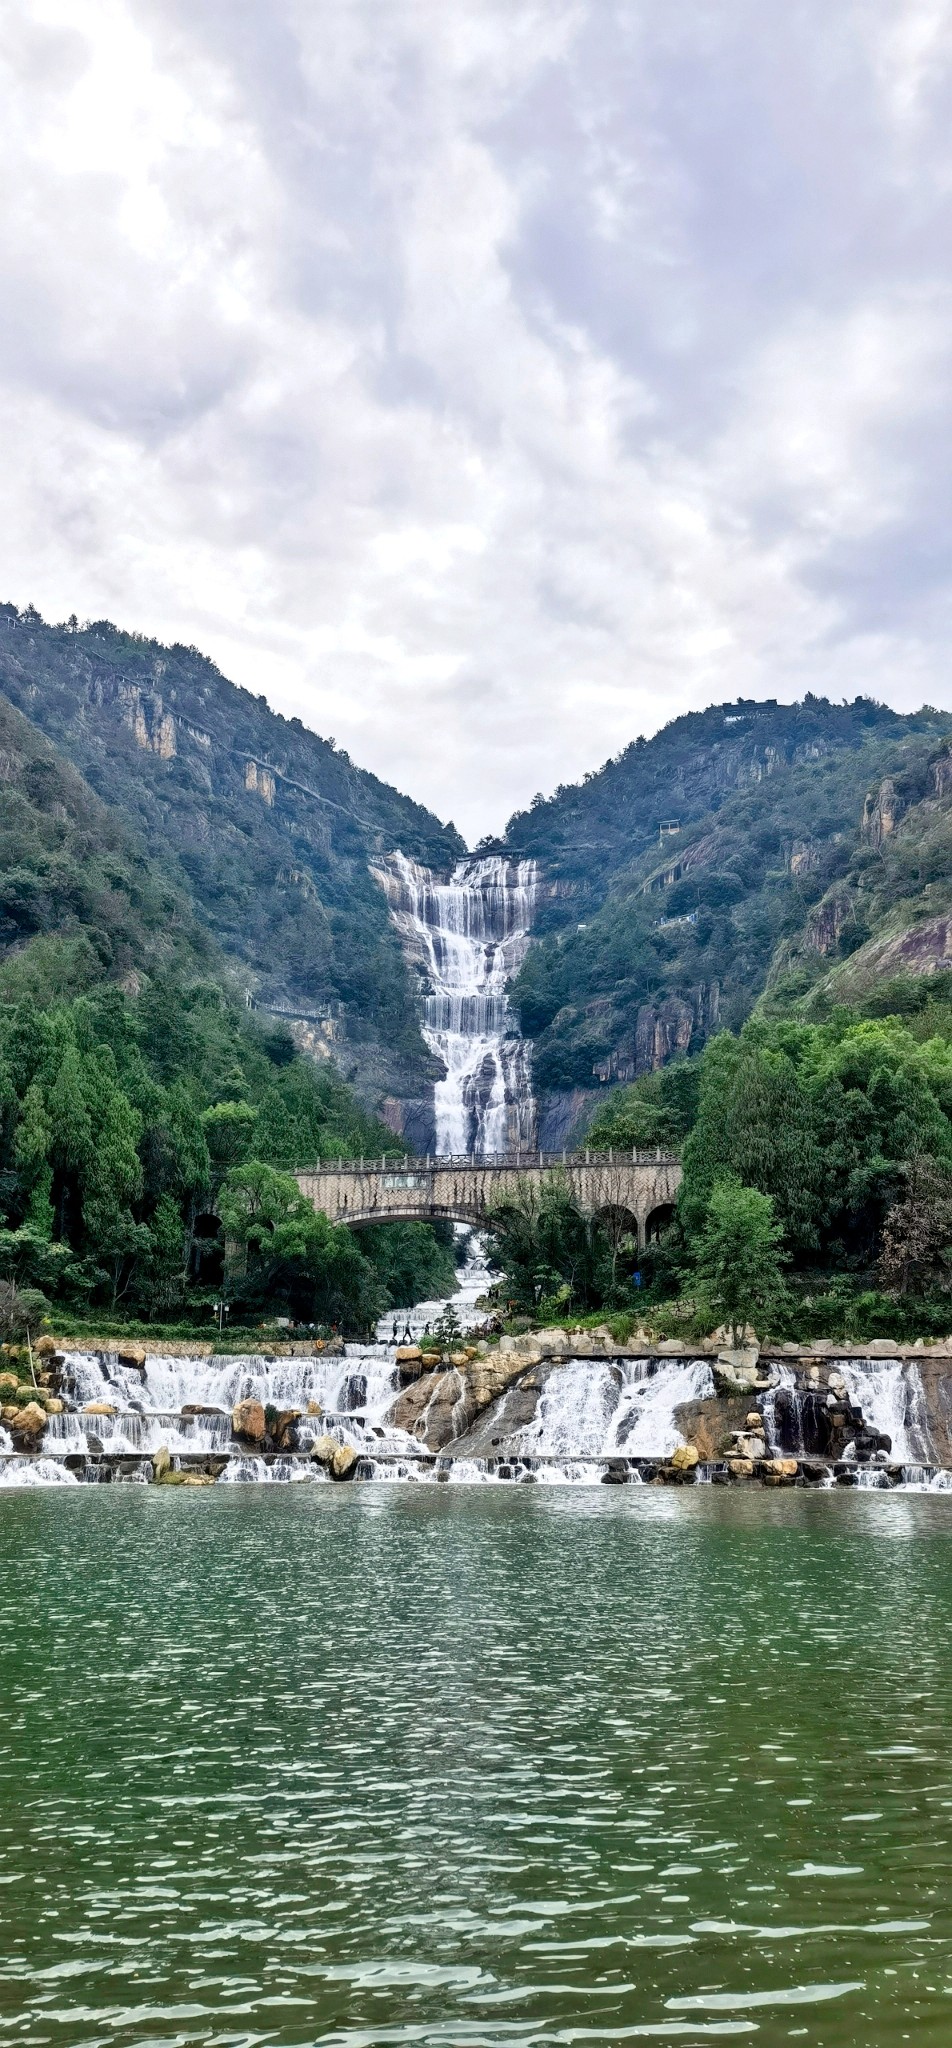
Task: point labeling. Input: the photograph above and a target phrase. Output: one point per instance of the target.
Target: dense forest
(817, 1188)
(146, 1113)
(741, 847)
(263, 828)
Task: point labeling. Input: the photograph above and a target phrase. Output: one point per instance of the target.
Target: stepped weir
(634, 1187)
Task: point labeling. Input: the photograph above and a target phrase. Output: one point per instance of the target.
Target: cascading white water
(352, 1392)
(35, 1472)
(627, 1408)
(892, 1398)
(475, 1279)
(785, 1382)
(469, 935)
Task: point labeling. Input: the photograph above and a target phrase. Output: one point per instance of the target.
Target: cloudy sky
(486, 381)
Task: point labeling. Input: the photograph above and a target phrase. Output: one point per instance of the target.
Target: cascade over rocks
(547, 1405)
(466, 937)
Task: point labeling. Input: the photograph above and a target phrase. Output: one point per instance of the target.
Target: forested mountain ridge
(142, 1105)
(698, 867)
(80, 900)
(886, 919)
(265, 828)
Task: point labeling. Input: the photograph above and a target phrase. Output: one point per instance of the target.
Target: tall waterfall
(468, 936)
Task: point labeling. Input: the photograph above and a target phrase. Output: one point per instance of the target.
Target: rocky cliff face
(662, 1031)
(888, 917)
(736, 848)
(268, 828)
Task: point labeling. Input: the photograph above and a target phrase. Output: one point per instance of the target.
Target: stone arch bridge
(638, 1185)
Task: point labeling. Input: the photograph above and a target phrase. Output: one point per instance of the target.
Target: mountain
(80, 900)
(885, 922)
(264, 830)
(749, 847)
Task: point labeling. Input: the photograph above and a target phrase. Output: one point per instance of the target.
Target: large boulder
(684, 1458)
(338, 1460)
(161, 1462)
(99, 1408)
(131, 1354)
(736, 1373)
(248, 1421)
(324, 1450)
(44, 1347)
(435, 1408)
(284, 1428)
(30, 1421)
(747, 1446)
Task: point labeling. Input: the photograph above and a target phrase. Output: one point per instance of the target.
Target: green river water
(370, 1764)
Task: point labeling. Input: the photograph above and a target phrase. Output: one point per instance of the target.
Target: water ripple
(333, 1768)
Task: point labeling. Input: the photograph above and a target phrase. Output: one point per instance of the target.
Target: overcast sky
(486, 381)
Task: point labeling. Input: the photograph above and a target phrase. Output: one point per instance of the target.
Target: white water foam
(352, 1393)
(35, 1472)
(596, 1409)
(281, 1472)
(469, 935)
(892, 1398)
(475, 1278)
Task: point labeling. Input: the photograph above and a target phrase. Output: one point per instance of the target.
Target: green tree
(756, 1122)
(916, 1255)
(738, 1261)
(159, 1281)
(32, 1147)
(283, 1252)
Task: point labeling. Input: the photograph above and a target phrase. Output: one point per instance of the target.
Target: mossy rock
(8, 1383)
(25, 1393)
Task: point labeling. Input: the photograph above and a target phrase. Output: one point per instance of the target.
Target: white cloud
(485, 383)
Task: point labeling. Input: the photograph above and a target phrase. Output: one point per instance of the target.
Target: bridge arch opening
(657, 1221)
(454, 1212)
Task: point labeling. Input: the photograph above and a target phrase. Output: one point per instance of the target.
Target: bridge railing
(512, 1162)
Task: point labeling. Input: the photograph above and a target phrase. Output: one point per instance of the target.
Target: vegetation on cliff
(744, 846)
(135, 1085)
(263, 829)
(135, 1131)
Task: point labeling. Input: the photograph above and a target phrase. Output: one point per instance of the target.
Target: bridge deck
(467, 1190)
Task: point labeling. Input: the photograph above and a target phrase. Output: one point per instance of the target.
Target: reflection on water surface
(439, 1765)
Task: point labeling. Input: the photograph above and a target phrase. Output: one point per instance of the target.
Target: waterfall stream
(467, 936)
(596, 1409)
(892, 1398)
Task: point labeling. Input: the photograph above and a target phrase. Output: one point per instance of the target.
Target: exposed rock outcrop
(248, 1421)
(881, 813)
